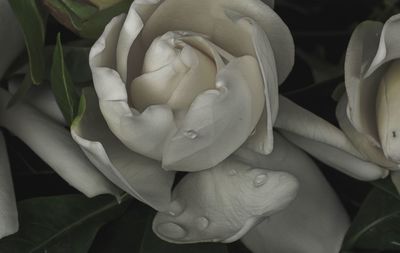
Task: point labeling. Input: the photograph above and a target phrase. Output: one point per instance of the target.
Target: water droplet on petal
(171, 230)
(175, 208)
(260, 180)
(232, 172)
(191, 134)
(202, 223)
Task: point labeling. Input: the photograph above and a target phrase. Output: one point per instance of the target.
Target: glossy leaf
(377, 225)
(62, 85)
(58, 224)
(33, 26)
(93, 28)
(133, 233)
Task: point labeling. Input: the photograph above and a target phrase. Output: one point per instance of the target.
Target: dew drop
(260, 180)
(202, 223)
(191, 134)
(175, 208)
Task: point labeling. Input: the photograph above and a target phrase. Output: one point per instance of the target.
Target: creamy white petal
(221, 204)
(144, 132)
(220, 120)
(324, 141)
(362, 91)
(53, 143)
(360, 141)
(8, 206)
(42, 98)
(388, 116)
(11, 41)
(389, 45)
(142, 177)
(314, 222)
(260, 140)
(172, 15)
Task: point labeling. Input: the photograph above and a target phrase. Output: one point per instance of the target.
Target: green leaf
(133, 233)
(63, 15)
(80, 9)
(33, 26)
(62, 85)
(377, 225)
(21, 92)
(61, 224)
(93, 28)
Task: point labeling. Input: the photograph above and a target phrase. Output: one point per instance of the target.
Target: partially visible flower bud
(388, 116)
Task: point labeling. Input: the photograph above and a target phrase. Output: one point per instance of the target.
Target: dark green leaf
(21, 92)
(33, 26)
(60, 224)
(63, 15)
(80, 9)
(377, 225)
(133, 233)
(93, 28)
(62, 85)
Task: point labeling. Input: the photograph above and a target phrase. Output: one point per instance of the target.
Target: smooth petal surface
(363, 144)
(362, 91)
(142, 177)
(324, 141)
(42, 98)
(8, 206)
(389, 45)
(53, 143)
(261, 139)
(314, 222)
(172, 15)
(143, 132)
(218, 121)
(11, 41)
(221, 204)
(388, 116)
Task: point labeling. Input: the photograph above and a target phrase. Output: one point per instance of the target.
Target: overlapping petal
(53, 143)
(221, 204)
(143, 132)
(324, 141)
(361, 91)
(142, 177)
(218, 121)
(315, 222)
(8, 206)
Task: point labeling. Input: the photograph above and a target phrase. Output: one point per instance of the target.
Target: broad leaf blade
(94, 26)
(133, 233)
(62, 85)
(377, 225)
(33, 26)
(60, 224)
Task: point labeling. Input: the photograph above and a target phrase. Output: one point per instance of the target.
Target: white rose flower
(179, 86)
(368, 146)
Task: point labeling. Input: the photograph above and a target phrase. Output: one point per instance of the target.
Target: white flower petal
(389, 45)
(314, 222)
(8, 206)
(53, 143)
(261, 139)
(222, 31)
(218, 121)
(387, 111)
(363, 144)
(221, 204)
(362, 91)
(324, 141)
(42, 98)
(143, 133)
(142, 177)
(11, 41)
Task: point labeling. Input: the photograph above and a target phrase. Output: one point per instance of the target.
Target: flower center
(174, 73)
